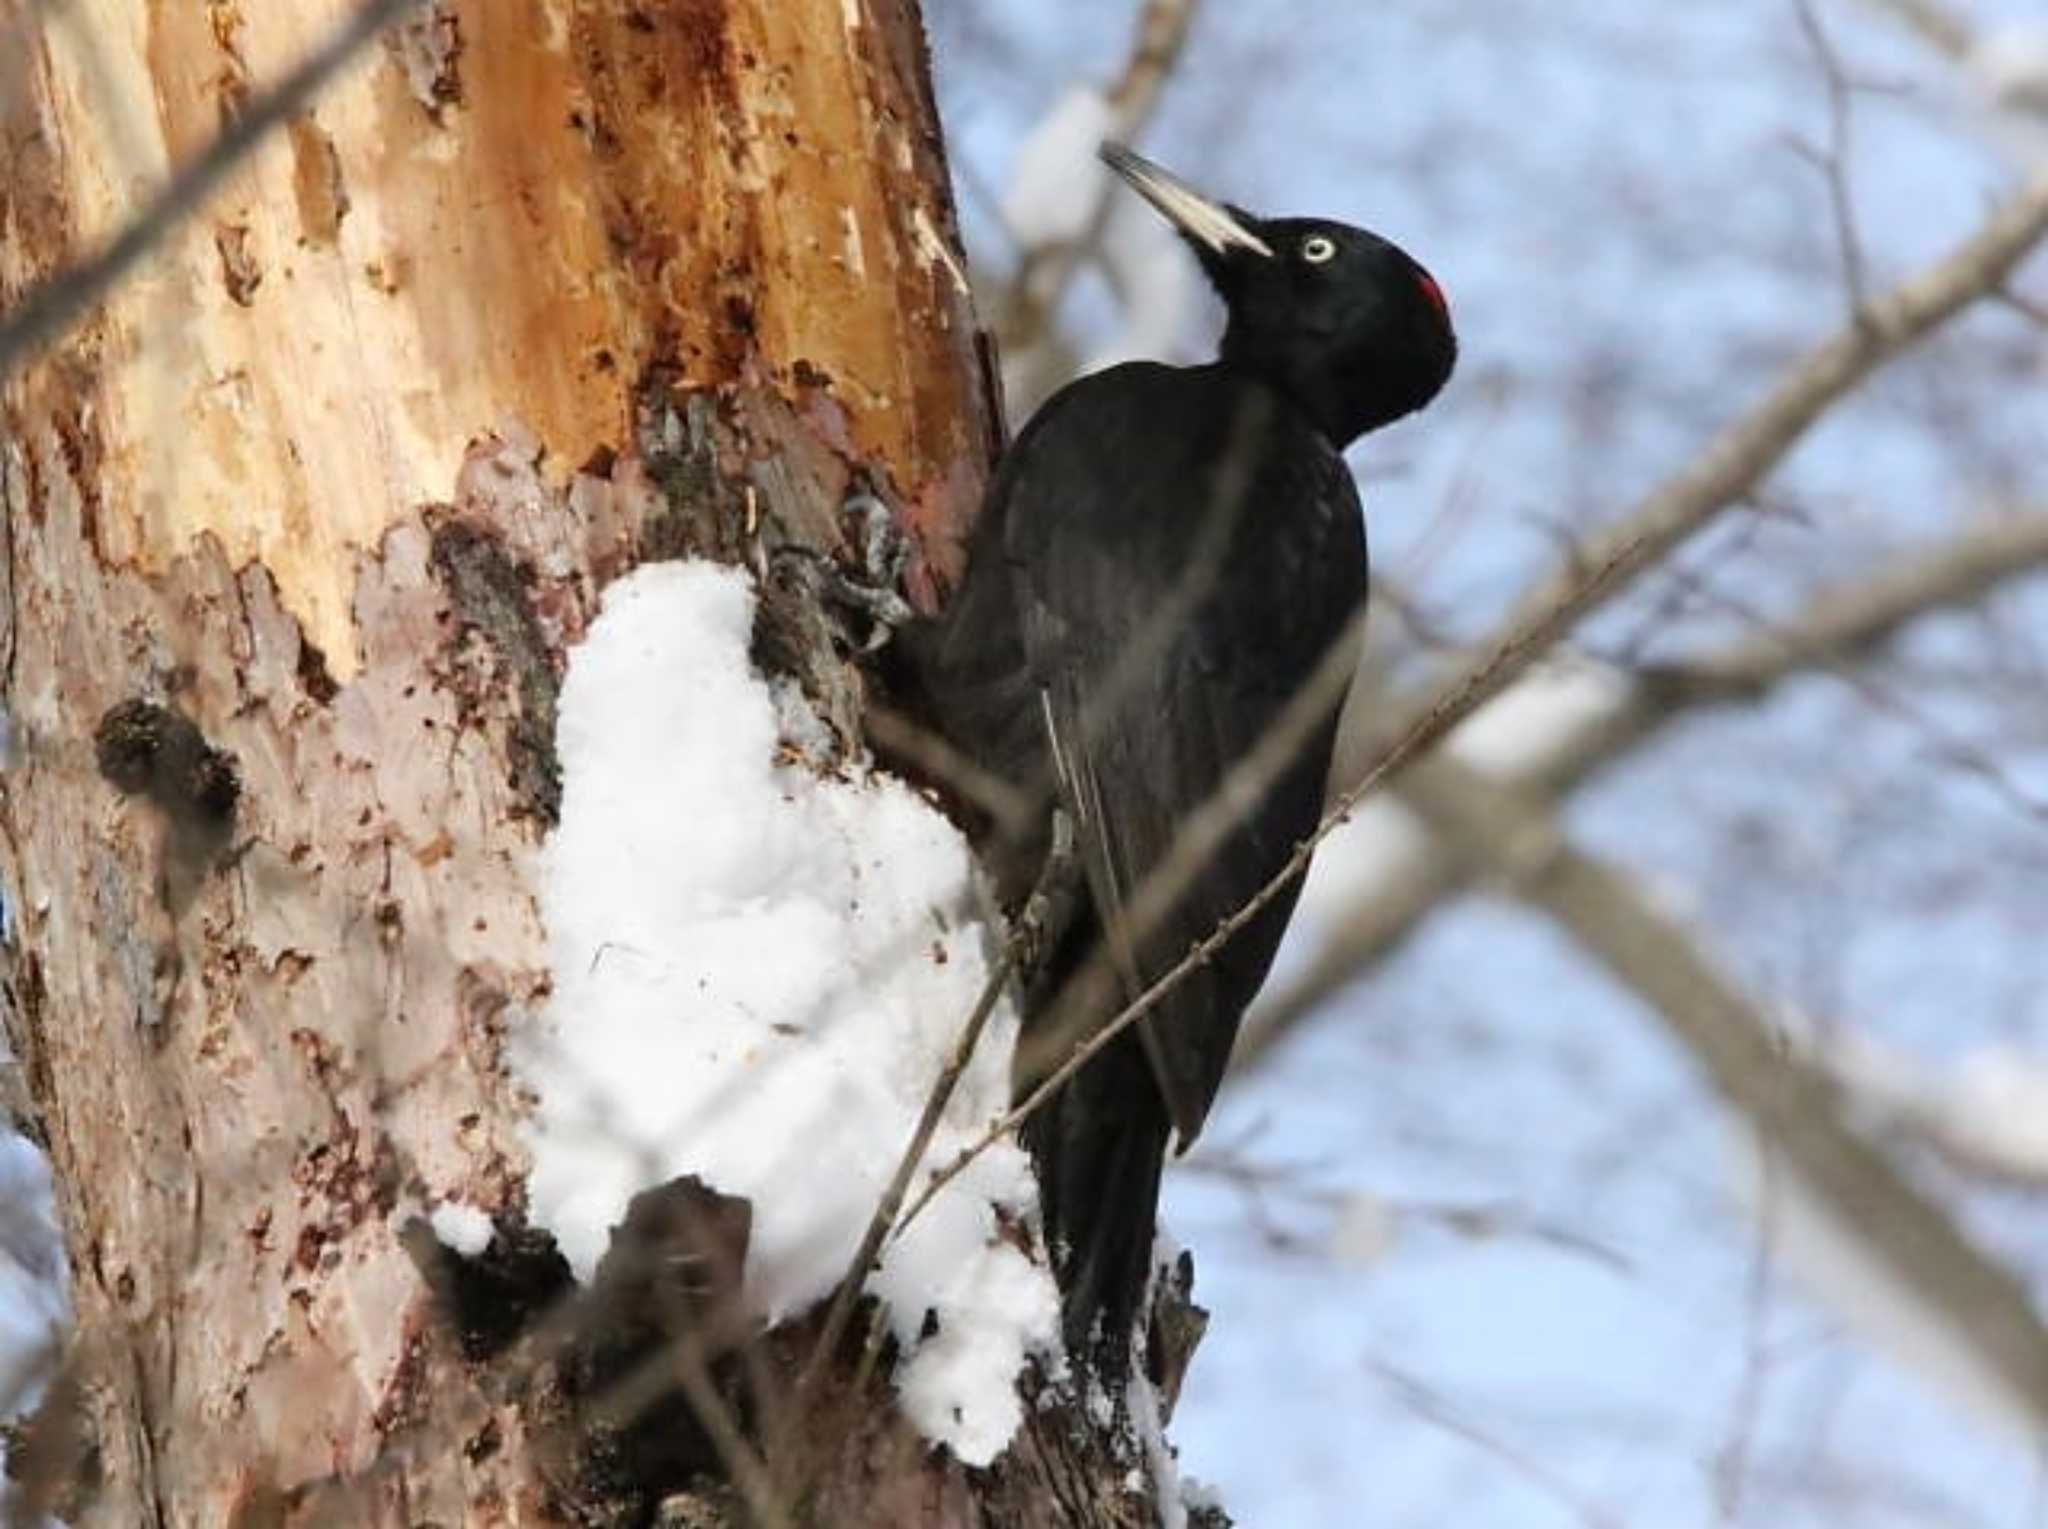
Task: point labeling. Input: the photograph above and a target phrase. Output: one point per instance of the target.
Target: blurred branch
(1934, 23)
(1044, 272)
(54, 304)
(1162, 30)
(1833, 162)
(1982, 1128)
(1531, 1468)
(1793, 1107)
(1835, 628)
(2033, 312)
(1731, 466)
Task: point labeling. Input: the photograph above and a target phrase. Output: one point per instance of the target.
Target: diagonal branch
(1836, 628)
(1978, 1305)
(1741, 456)
(1044, 272)
(1934, 23)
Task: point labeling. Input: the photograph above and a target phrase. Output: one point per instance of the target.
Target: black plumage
(1166, 555)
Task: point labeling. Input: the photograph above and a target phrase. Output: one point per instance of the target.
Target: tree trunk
(299, 525)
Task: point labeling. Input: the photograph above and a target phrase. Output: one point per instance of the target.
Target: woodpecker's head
(1344, 322)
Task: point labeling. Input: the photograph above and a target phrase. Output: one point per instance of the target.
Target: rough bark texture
(298, 527)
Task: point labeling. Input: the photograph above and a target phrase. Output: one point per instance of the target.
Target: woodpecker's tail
(1099, 1145)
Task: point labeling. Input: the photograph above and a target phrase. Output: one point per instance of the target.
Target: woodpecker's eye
(1318, 248)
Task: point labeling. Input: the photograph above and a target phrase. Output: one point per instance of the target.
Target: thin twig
(863, 1261)
(1528, 1466)
(1834, 164)
(680, 1361)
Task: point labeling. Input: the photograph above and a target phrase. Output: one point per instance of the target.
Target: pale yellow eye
(1318, 248)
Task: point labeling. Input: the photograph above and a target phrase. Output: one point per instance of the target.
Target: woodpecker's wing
(1183, 551)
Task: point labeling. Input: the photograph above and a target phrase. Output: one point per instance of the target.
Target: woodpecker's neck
(1346, 390)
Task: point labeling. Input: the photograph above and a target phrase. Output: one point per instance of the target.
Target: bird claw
(872, 594)
(885, 551)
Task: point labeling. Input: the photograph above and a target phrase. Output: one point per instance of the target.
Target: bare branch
(1934, 23)
(1740, 458)
(1836, 628)
(1792, 1105)
(1043, 275)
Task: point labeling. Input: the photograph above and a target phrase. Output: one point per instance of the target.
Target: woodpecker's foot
(884, 554)
(863, 609)
(1046, 912)
(884, 550)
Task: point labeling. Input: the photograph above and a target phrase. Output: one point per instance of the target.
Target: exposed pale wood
(539, 290)
(521, 227)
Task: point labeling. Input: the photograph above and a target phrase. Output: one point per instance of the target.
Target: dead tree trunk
(299, 524)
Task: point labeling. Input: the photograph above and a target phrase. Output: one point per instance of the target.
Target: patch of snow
(2010, 64)
(1365, 1229)
(461, 1228)
(1056, 180)
(1990, 1110)
(1996, 1108)
(34, 1307)
(758, 972)
(1159, 1456)
(1527, 724)
(1155, 279)
(1380, 842)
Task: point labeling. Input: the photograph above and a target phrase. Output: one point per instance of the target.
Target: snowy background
(1479, 1242)
(1481, 1247)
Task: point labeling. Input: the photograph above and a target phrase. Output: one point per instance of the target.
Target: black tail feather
(1100, 1144)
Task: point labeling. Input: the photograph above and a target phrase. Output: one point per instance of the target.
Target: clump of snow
(1996, 1106)
(1525, 726)
(758, 972)
(1160, 1459)
(460, 1228)
(34, 1309)
(2011, 66)
(1056, 180)
(1155, 279)
(1990, 1110)
(1364, 1229)
(1379, 843)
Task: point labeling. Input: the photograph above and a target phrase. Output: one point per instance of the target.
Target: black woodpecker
(1166, 555)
